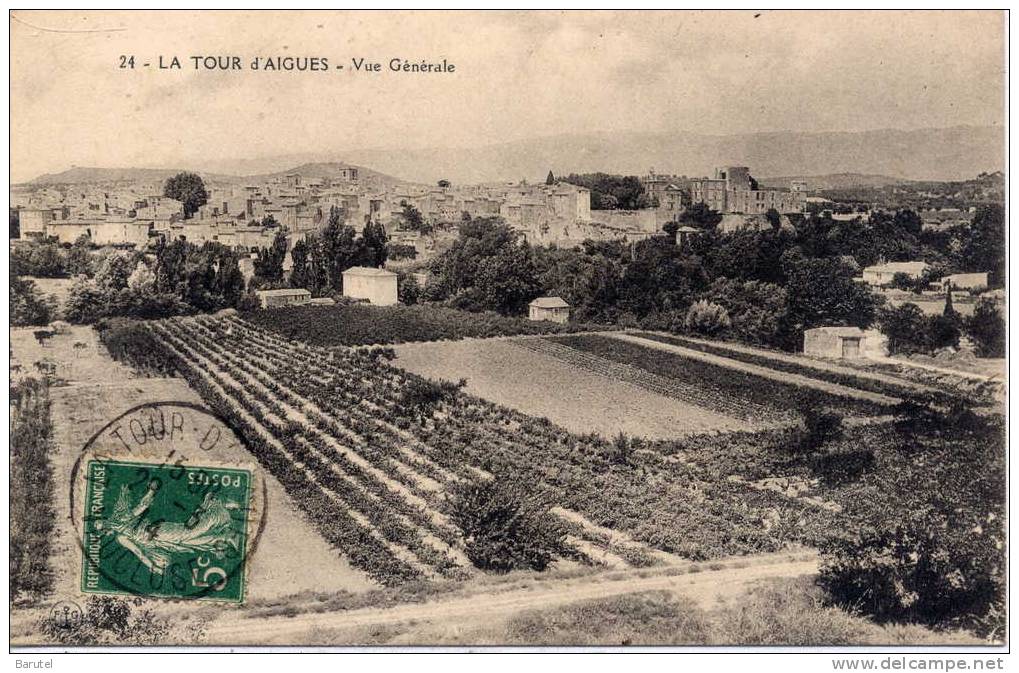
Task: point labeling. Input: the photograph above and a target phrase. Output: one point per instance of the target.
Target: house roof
(839, 331)
(367, 271)
(284, 292)
(550, 302)
(899, 267)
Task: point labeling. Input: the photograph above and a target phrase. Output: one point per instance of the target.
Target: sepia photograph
(461, 331)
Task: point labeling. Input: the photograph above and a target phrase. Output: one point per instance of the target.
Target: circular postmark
(167, 503)
(66, 615)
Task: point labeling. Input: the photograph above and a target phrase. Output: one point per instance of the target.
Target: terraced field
(372, 474)
(318, 421)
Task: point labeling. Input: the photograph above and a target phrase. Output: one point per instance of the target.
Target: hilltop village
(553, 212)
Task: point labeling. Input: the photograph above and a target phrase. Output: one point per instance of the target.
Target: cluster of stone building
(733, 190)
(236, 214)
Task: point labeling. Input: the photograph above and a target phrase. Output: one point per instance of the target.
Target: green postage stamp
(171, 531)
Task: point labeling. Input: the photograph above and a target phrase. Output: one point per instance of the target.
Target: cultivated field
(91, 391)
(360, 471)
(580, 394)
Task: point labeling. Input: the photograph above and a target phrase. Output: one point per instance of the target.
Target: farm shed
(378, 286)
(283, 297)
(553, 309)
(834, 342)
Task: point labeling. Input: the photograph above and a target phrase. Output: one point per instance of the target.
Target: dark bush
(937, 556)
(506, 527)
(131, 342)
(820, 425)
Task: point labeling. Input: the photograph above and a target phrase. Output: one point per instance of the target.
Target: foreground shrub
(937, 556)
(108, 620)
(505, 527)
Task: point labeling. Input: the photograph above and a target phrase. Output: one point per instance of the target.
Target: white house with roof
(849, 343)
(283, 297)
(378, 286)
(553, 309)
(882, 274)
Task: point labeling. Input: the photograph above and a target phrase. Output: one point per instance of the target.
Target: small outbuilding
(283, 297)
(684, 236)
(553, 309)
(834, 342)
(377, 286)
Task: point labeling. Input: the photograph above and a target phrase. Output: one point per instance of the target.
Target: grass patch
(646, 618)
(789, 612)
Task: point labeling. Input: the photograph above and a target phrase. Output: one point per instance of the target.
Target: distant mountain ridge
(85, 174)
(940, 154)
(834, 181)
(928, 154)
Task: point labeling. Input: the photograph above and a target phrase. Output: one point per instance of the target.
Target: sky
(518, 75)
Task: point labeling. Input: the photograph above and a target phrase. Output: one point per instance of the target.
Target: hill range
(836, 159)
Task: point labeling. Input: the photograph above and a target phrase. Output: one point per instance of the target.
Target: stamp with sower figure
(162, 514)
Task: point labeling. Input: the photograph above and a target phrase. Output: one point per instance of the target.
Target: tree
(408, 290)
(901, 281)
(609, 192)
(339, 249)
(444, 184)
(269, 265)
(701, 216)
(300, 272)
(374, 245)
(44, 259)
(820, 425)
(670, 228)
(412, 219)
(821, 291)
(189, 189)
(937, 557)
(550, 179)
(27, 304)
(14, 230)
(757, 310)
(79, 257)
(906, 327)
(987, 329)
(983, 244)
(774, 218)
(944, 331)
(142, 279)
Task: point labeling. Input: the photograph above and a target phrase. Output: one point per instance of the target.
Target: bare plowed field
(539, 384)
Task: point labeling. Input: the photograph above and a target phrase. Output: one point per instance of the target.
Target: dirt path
(804, 361)
(764, 372)
(706, 588)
